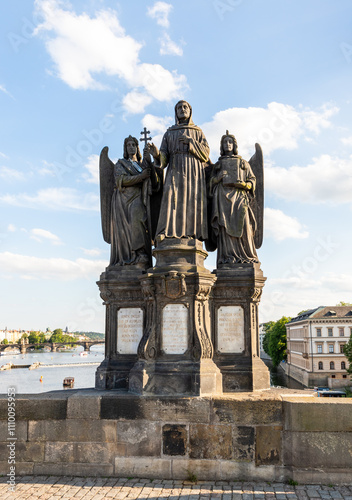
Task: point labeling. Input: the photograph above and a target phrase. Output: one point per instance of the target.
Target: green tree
(341, 303)
(33, 338)
(5, 341)
(348, 353)
(267, 327)
(277, 342)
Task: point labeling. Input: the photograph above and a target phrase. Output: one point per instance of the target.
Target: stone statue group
(220, 204)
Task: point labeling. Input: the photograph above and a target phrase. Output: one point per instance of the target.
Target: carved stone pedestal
(175, 354)
(124, 324)
(235, 327)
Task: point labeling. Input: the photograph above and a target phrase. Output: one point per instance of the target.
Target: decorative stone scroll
(129, 329)
(230, 329)
(175, 329)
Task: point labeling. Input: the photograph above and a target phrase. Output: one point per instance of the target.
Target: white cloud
(169, 47)
(54, 199)
(326, 179)
(136, 102)
(3, 89)
(92, 252)
(27, 267)
(84, 47)
(157, 126)
(160, 12)
(281, 226)
(279, 126)
(3, 155)
(11, 228)
(11, 174)
(40, 234)
(347, 141)
(92, 166)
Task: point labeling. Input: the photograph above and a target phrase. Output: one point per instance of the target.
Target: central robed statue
(185, 151)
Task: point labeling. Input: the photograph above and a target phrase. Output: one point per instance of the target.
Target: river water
(29, 381)
(44, 379)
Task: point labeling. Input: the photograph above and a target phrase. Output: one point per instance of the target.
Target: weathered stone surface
(243, 443)
(58, 452)
(201, 469)
(318, 415)
(24, 452)
(140, 437)
(27, 407)
(22, 468)
(143, 467)
(73, 469)
(72, 430)
(210, 441)
(268, 449)
(247, 412)
(20, 431)
(313, 450)
(161, 408)
(94, 453)
(175, 440)
(81, 406)
(236, 471)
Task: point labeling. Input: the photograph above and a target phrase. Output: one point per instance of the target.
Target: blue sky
(77, 76)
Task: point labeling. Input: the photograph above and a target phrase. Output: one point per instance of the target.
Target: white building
(315, 341)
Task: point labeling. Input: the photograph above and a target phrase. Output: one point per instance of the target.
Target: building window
(331, 348)
(344, 376)
(318, 332)
(320, 365)
(341, 332)
(320, 348)
(341, 348)
(343, 365)
(332, 365)
(329, 332)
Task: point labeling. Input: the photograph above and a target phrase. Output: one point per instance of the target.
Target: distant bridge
(52, 345)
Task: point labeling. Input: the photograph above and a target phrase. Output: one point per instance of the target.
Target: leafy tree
(341, 303)
(33, 338)
(24, 336)
(348, 353)
(302, 312)
(277, 342)
(267, 327)
(5, 341)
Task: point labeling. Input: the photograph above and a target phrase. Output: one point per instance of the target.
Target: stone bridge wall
(245, 436)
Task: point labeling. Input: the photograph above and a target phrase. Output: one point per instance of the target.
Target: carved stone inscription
(175, 329)
(230, 329)
(129, 329)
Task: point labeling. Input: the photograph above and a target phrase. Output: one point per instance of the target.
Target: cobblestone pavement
(66, 488)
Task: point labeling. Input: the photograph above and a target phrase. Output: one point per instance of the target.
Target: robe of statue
(130, 235)
(183, 211)
(232, 219)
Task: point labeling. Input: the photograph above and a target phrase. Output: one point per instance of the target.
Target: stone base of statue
(235, 299)
(175, 354)
(121, 291)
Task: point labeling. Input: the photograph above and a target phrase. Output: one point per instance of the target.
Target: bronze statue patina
(185, 151)
(125, 190)
(237, 204)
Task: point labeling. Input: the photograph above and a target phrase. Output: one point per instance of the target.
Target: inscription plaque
(230, 329)
(175, 329)
(129, 329)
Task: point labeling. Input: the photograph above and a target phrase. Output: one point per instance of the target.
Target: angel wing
(106, 172)
(257, 203)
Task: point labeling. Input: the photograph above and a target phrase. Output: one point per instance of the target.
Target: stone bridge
(52, 345)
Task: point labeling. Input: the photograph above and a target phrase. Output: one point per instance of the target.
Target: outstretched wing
(106, 172)
(257, 204)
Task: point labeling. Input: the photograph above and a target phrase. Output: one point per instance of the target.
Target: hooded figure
(185, 151)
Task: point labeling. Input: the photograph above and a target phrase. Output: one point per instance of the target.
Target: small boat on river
(69, 382)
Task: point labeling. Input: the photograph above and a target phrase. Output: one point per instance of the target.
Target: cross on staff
(145, 137)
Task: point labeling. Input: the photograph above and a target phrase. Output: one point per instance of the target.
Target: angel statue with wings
(236, 191)
(125, 191)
